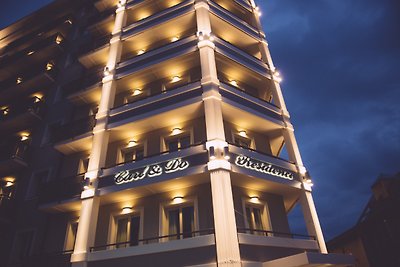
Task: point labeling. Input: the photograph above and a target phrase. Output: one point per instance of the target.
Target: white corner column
(227, 245)
(86, 232)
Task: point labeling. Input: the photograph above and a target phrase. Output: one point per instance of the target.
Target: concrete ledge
(312, 259)
(272, 241)
(195, 242)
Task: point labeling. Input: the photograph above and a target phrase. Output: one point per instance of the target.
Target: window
(257, 219)
(132, 154)
(83, 165)
(181, 222)
(70, 237)
(23, 244)
(179, 219)
(38, 178)
(242, 140)
(178, 142)
(126, 230)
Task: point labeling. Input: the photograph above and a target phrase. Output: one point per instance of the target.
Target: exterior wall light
(86, 183)
(141, 52)
(277, 77)
(127, 210)
(121, 3)
(30, 53)
(226, 153)
(258, 11)
(175, 38)
(205, 36)
(19, 80)
(49, 66)
(176, 131)
(106, 71)
(24, 136)
(137, 92)
(5, 110)
(242, 133)
(176, 79)
(309, 182)
(59, 39)
(212, 153)
(132, 143)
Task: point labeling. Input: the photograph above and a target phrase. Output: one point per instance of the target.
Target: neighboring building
(148, 133)
(375, 239)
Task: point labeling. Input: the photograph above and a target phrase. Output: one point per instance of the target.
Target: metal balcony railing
(73, 129)
(156, 239)
(274, 234)
(49, 259)
(58, 190)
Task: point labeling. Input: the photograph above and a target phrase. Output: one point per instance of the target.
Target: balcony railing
(6, 206)
(61, 189)
(15, 150)
(73, 129)
(34, 106)
(50, 259)
(274, 234)
(151, 240)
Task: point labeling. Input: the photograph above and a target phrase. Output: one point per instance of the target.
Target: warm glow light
(127, 210)
(176, 131)
(141, 51)
(277, 76)
(132, 143)
(175, 79)
(24, 136)
(254, 199)
(49, 66)
(177, 199)
(309, 182)
(242, 133)
(175, 38)
(8, 184)
(106, 71)
(68, 21)
(19, 80)
(234, 83)
(136, 92)
(5, 110)
(30, 53)
(59, 39)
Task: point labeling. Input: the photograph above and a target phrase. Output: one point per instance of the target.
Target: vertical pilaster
(306, 199)
(227, 244)
(86, 232)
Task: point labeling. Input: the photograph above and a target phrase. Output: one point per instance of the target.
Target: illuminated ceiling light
(178, 199)
(254, 199)
(127, 210)
(175, 38)
(59, 39)
(141, 52)
(175, 79)
(19, 80)
(234, 83)
(176, 131)
(68, 21)
(132, 143)
(242, 133)
(24, 136)
(137, 92)
(30, 53)
(8, 184)
(49, 66)
(5, 110)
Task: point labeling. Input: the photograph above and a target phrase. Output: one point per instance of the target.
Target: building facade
(149, 133)
(374, 240)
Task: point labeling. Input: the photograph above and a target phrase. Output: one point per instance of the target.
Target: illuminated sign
(171, 166)
(263, 167)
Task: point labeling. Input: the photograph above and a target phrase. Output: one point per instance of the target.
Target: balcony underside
(312, 259)
(12, 164)
(76, 144)
(19, 122)
(96, 57)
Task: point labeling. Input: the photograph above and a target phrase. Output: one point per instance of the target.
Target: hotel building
(149, 133)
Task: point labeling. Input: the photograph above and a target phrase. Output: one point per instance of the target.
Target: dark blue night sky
(340, 60)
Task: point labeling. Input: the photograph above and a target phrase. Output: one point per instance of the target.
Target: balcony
(74, 136)
(241, 9)
(42, 50)
(86, 89)
(6, 207)
(41, 76)
(50, 259)
(13, 155)
(22, 116)
(61, 190)
(200, 244)
(95, 52)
